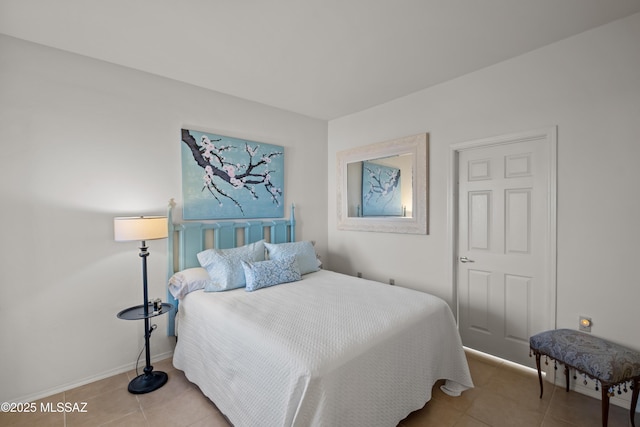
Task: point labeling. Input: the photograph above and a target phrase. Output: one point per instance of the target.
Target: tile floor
(503, 396)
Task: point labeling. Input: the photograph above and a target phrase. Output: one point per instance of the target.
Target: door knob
(465, 259)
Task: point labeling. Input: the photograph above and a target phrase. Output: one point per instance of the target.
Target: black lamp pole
(150, 380)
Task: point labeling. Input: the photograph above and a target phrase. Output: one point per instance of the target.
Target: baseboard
(106, 374)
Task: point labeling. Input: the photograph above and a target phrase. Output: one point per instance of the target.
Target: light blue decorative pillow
(303, 251)
(225, 265)
(263, 274)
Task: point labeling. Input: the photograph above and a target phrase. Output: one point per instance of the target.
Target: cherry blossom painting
(381, 195)
(225, 177)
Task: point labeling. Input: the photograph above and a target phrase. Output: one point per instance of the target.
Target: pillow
(303, 251)
(224, 265)
(263, 274)
(188, 280)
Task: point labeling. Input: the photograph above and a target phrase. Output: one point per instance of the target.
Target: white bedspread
(330, 350)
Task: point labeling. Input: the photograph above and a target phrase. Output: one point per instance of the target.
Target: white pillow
(189, 280)
(225, 265)
(303, 251)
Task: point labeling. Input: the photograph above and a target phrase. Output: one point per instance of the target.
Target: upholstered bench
(611, 365)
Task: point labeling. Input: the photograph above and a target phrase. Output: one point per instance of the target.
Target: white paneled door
(506, 243)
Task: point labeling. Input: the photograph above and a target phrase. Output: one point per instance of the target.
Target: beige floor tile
(42, 412)
(580, 410)
(176, 385)
(164, 365)
(211, 422)
(521, 386)
(88, 391)
(188, 408)
(573, 407)
(499, 411)
(549, 421)
(135, 419)
(31, 419)
(467, 421)
(108, 406)
(434, 413)
(482, 370)
(460, 403)
(489, 360)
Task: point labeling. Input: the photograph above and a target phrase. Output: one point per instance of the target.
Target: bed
(326, 350)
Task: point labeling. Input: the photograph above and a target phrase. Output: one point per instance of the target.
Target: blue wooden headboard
(187, 239)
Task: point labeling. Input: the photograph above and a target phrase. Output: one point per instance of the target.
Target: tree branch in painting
(382, 184)
(239, 175)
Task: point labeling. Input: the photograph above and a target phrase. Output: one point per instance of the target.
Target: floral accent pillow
(225, 265)
(269, 273)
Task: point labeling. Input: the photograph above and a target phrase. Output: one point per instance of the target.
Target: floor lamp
(141, 229)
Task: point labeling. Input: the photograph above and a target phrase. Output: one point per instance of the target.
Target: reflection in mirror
(383, 187)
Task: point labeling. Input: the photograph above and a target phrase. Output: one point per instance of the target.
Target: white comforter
(330, 350)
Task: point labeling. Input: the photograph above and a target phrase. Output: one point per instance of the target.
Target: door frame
(545, 134)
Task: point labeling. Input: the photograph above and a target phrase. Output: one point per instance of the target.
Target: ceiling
(320, 58)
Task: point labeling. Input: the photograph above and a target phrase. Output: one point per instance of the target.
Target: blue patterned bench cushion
(600, 359)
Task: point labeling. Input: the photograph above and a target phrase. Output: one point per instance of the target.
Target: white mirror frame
(417, 223)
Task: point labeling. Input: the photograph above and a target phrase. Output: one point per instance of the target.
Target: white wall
(83, 141)
(587, 85)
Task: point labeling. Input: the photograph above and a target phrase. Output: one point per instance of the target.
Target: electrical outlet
(584, 324)
(392, 282)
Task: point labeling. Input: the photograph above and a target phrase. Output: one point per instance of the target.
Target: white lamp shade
(140, 228)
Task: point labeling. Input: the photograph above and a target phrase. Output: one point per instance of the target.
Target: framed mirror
(383, 187)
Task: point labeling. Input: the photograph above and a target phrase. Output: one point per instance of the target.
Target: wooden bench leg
(540, 373)
(566, 375)
(605, 406)
(634, 400)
